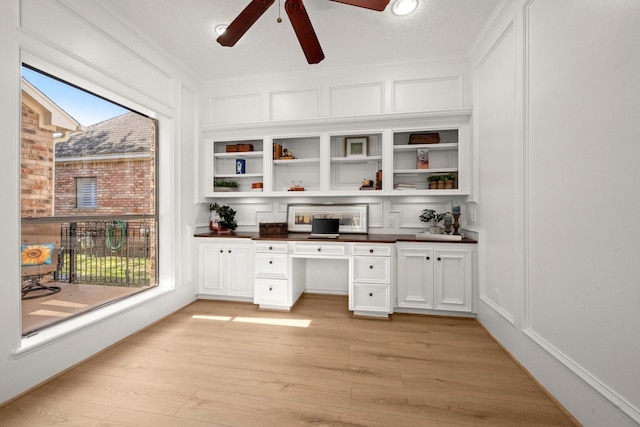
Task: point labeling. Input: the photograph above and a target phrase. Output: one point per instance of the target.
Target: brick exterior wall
(36, 167)
(123, 187)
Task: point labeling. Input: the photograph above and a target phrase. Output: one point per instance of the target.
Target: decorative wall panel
(295, 105)
(356, 100)
(427, 94)
(56, 25)
(235, 109)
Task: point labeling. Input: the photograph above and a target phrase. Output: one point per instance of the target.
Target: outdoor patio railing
(107, 252)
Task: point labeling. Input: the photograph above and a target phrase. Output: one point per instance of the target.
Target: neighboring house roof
(126, 134)
(51, 116)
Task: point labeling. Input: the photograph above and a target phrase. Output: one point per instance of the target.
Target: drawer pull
(371, 267)
(229, 250)
(221, 251)
(319, 249)
(428, 258)
(270, 262)
(439, 259)
(270, 248)
(370, 251)
(370, 294)
(270, 288)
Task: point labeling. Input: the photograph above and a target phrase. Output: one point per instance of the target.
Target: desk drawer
(371, 269)
(372, 250)
(318, 249)
(270, 291)
(271, 265)
(271, 247)
(372, 298)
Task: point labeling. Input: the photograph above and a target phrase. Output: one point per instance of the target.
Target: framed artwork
(353, 217)
(356, 146)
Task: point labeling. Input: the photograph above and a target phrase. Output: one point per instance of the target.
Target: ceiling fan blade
(244, 21)
(304, 31)
(378, 5)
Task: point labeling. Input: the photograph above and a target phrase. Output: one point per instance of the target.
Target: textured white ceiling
(349, 35)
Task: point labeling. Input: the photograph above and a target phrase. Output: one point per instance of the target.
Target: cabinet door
(210, 269)
(239, 270)
(415, 277)
(452, 280)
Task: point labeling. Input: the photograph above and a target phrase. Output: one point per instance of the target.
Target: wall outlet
(392, 221)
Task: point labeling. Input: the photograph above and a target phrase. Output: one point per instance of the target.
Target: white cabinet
(272, 290)
(225, 268)
(371, 290)
(435, 276)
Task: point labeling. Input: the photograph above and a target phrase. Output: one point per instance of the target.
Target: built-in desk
(432, 276)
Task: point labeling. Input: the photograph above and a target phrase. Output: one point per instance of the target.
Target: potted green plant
(433, 181)
(448, 181)
(431, 216)
(222, 185)
(222, 218)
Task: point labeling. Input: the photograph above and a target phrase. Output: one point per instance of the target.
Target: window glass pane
(88, 200)
(86, 192)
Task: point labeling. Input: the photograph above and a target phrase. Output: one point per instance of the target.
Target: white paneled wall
(550, 79)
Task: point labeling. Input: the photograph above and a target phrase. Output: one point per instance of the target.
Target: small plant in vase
(431, 216)
(222, 218)
(221, 185)
(433, 181)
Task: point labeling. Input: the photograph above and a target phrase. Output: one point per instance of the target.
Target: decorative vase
(433, 185)
(440, 185)
(434, 229)
(448, 185)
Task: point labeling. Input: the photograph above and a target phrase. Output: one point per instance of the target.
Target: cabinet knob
(370, 251)
(270, 248)
(370, 294)
(270, 262)
(428, 258)
(371, 267)
(439, 259)
(229, 250)
(270, 288)
(319, 249)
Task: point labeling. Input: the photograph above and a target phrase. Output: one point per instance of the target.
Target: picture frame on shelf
(353, 217)
(356, 146)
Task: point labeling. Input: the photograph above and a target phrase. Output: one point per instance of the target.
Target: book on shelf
(404, 186)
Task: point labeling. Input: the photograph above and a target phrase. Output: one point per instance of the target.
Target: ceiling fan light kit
(299, 21)
(404, 7)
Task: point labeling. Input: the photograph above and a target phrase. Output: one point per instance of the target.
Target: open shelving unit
(334, 157)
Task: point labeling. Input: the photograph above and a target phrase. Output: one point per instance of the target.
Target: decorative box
(231, 148)
(424, 138)
(245, 147)
(269, 228)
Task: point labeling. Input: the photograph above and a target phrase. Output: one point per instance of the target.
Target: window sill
(58, 332)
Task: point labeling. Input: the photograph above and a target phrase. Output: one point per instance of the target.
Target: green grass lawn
(110, 270)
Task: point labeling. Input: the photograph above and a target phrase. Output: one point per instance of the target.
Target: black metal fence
(107, 252)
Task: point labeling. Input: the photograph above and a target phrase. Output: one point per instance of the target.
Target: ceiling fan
(299, 20)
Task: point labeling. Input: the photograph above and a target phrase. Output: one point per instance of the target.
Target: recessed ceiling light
(221, 29)
(404, 7)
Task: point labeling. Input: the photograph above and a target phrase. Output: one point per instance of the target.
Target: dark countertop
(363, 238)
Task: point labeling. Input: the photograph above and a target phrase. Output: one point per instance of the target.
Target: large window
(88, 201)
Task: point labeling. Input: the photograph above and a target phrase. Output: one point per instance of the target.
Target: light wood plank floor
(230, 364)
